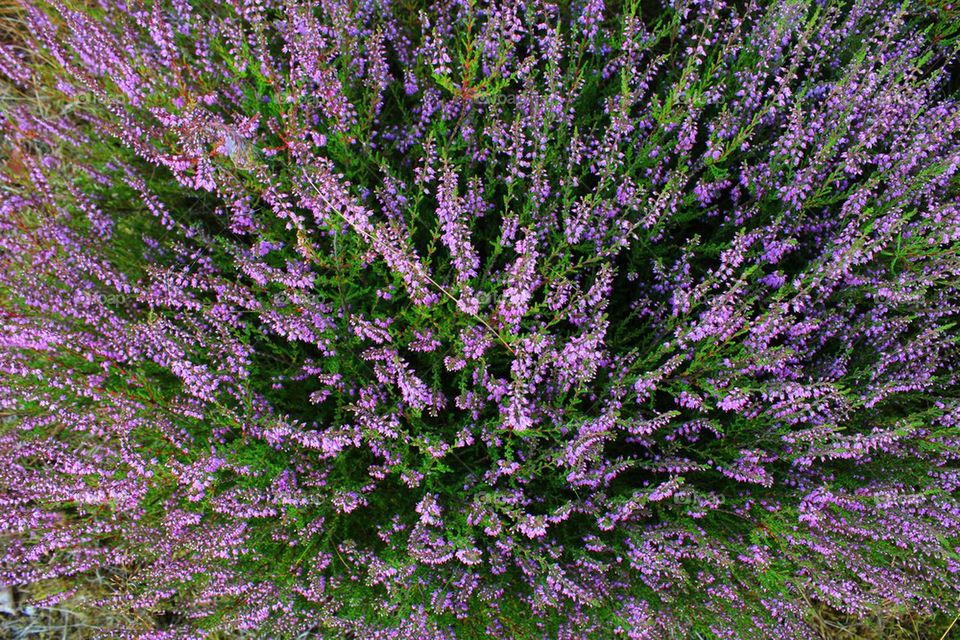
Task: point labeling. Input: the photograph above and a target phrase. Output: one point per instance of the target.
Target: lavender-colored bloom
(513, 320)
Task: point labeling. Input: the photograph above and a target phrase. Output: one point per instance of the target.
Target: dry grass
(71, 620)
(883, 626)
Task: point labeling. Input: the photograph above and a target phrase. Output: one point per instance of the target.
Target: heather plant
(475, 320)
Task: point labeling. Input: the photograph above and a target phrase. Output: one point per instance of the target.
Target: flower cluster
(458, 319)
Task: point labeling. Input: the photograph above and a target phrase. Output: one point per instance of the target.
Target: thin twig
(439, 287)
(950, 627)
